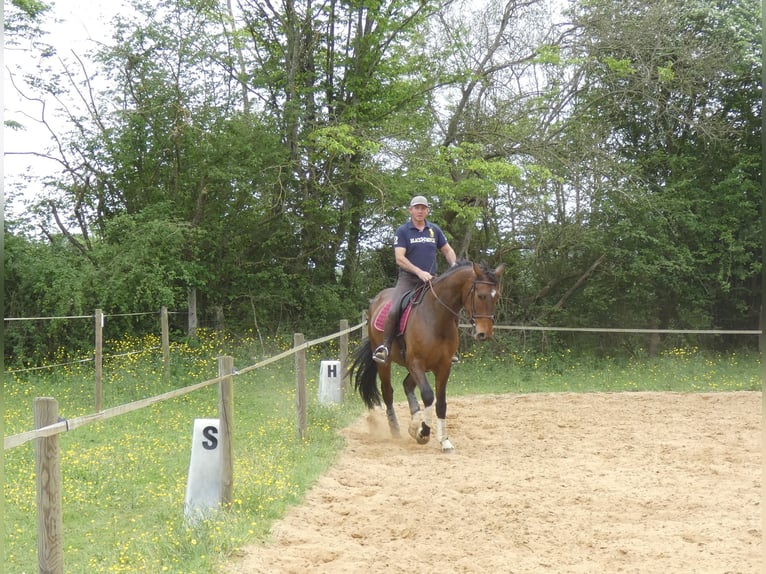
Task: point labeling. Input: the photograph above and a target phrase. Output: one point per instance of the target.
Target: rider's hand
(425, 276)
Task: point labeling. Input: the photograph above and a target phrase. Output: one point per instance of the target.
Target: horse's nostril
(481, 336)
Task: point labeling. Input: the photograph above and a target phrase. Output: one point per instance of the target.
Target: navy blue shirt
(420, 246)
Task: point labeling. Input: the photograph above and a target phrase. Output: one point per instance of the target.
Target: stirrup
(380, 355)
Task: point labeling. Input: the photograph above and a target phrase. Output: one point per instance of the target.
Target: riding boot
(382, 353)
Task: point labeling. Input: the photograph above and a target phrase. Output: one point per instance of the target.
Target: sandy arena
(557, 483)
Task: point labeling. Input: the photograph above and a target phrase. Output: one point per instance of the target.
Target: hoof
(421, 435)
(447, 446)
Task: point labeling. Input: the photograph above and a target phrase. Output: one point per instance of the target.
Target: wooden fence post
(300, 385)
(50, 521)
(99, 355)
(192, 334)
(225, 424)
(343, 358)
(165, 338)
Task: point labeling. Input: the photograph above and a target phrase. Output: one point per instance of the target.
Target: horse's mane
(485, 270)
(454, 269)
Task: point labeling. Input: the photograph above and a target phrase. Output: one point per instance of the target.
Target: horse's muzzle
(482, 333)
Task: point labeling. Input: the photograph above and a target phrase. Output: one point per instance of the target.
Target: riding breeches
(404, 284)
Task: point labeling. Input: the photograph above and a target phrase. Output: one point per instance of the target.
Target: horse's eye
(482, 296)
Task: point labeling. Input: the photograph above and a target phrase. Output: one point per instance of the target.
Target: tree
(610, 160)
(49, 276)
(671, 94)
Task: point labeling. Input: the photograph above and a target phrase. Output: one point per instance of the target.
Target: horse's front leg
(387, 391)
(441, 411)
(420, 423)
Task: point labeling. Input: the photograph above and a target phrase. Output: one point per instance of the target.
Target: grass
(125, 478)
(680, 369)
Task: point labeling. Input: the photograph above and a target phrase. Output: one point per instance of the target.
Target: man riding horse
(415, 248)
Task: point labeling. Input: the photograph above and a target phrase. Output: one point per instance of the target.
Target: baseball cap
(418, 200)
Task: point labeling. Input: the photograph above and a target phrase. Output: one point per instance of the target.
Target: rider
(417, 242)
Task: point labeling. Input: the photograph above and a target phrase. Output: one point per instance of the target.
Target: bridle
(471, 294)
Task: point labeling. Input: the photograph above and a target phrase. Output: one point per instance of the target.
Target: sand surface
(559, 483)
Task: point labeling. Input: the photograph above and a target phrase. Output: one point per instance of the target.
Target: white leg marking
(428, 416)
(415, 424)
(441, 435)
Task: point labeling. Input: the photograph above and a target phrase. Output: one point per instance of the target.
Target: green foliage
(40, 276)
(665, 73)
(22, 18)
(339, 140)
(549, 54)
(266, 162)
(32, 8)
(142, 262)
(621, 67)
(665, 219)
(146, 262)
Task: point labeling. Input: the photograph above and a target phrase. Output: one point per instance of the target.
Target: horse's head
(482, 298)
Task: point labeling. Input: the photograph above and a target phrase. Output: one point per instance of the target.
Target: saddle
(409, 300)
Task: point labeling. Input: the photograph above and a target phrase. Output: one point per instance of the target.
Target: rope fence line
(619, 330)
(301, 347)
(465, 325)
(308, 344)
(90, 316)
(129, 353)
(47, 318)
(132, 314)
(65, 425)
(89, 360)
(50, 366)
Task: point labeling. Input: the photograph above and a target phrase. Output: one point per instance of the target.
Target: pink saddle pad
(380, 318)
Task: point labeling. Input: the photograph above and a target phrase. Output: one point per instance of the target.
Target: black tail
(364, 372)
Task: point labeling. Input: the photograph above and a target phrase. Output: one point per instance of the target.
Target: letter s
(209, 433)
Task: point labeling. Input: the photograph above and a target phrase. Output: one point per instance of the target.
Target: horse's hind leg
(393, 423)
(387, 391)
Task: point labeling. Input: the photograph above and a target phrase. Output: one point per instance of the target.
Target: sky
(72, 25)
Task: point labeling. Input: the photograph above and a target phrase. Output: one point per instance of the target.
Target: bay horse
(428, 343)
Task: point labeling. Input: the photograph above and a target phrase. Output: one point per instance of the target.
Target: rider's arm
(449, 254)
(407, 265)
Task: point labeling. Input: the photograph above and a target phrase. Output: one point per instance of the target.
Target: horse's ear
(499, 270)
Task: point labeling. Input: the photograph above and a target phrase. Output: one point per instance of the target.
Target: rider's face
(418, 212)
